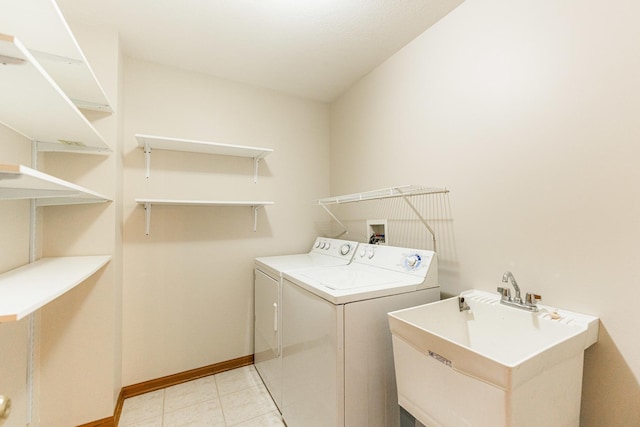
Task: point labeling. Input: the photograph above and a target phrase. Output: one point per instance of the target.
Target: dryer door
(267, 325)
(267, 307)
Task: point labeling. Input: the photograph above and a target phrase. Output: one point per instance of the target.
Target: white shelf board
(190, 145)
(149, 142)
(147, 203)
(40, 25)
(202, 202)
(35, 106)
(385, 193)
(30, 287)
(21, 182)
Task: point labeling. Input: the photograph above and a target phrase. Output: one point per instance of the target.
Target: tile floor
(233, 398)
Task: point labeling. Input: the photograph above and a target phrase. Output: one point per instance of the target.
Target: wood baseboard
(163, 382)
(105, 422)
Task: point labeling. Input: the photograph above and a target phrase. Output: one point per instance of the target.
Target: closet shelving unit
(149, 142)
(43, 85)
(42, 28)
(45, 80)
(147, 203)
(36, 107)
(28, 288)
(405, 192)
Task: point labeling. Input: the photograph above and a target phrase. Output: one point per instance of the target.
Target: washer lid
(354, 278)
(349, 283)
(281, 263)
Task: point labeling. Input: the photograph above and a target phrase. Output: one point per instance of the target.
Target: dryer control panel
(335, 247)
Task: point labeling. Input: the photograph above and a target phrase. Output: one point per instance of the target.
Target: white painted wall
(528, 112)
(188, 286)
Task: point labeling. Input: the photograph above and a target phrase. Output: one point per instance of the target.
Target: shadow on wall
(610, 390)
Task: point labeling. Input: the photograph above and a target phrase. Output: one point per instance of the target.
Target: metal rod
(33, 232)
(424, 221)
(336, 220)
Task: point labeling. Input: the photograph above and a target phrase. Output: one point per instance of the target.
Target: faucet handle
(505, 293)
(532, 299)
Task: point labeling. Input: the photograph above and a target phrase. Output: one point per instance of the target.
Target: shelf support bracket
(147, 218)
(147, 159)
(344, 228)
(422, 220)
(256, 161)
(255, 217)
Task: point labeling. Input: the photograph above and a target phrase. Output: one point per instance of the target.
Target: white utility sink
(491, 365)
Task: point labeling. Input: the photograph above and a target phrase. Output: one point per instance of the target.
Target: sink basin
(492, 365)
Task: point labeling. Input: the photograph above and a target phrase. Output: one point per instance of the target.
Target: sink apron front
(457, 369)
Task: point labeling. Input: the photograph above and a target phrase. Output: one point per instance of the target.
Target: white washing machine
(268, 307)
(337, 357)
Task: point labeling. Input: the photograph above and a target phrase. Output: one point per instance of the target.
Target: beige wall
(188, 286)
(528, 112)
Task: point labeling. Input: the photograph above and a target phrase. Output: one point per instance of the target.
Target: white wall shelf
(149, 142)
(21, 182)
(405, 192)
(37, 108)
(147, 203)
(40, 25)
(30, 287)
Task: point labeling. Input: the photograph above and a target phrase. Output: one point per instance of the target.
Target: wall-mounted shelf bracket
(344, 227)
(147, 217)
(256, 161)
(404, 192)
(147, 158)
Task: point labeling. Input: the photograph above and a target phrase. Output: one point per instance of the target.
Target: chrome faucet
(508, 276)
(530, 302)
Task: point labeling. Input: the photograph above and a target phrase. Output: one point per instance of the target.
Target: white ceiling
(310, 48)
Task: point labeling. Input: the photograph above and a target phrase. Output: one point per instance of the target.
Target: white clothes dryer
(337, 357)
(268, 303)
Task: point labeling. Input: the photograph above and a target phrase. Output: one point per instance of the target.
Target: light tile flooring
(233, 398)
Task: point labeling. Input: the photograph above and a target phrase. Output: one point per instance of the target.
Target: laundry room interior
(513, 126)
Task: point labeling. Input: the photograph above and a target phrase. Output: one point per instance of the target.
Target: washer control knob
(371, 252)
(413, 261)
(326, 248)
(318, 243)
(363, 252)
(345, 249)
